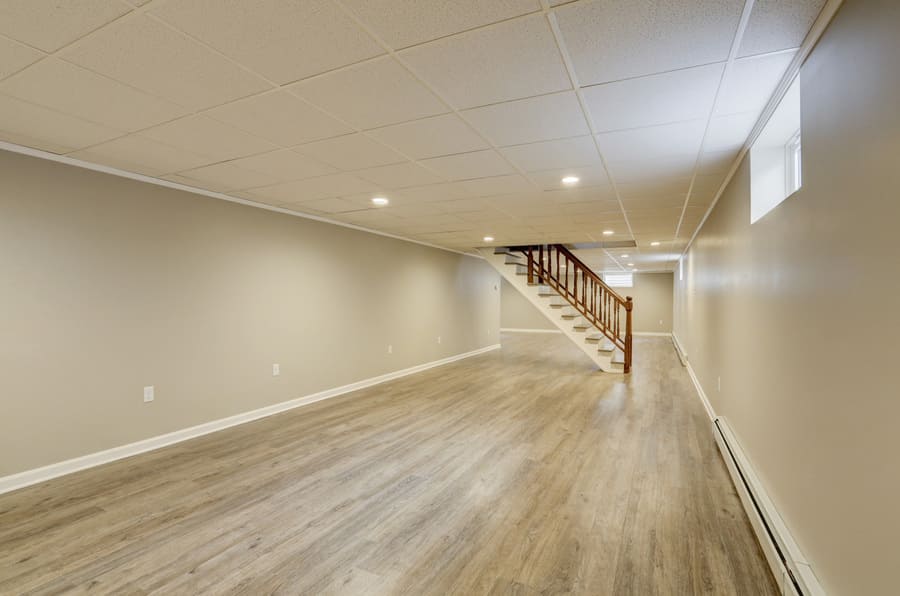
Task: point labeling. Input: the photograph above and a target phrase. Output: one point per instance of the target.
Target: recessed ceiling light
(634, 269)
(608, 232)
(631, 264)
(570, 180)
(624, 256)
(654, 243)
(380, 201)
(488, 238)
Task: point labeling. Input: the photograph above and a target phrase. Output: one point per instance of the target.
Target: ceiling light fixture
(634, 269)
(488, 238)
(380, 201)
(608, 232)
(631, 264)
(654, 243)
(570, 180)
(624, 256)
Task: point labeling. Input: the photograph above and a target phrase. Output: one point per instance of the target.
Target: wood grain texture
(521, 471)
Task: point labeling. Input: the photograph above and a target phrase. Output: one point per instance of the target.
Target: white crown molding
(71, 161)
(29, 477)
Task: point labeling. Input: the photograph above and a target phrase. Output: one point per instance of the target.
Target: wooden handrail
(602, 306)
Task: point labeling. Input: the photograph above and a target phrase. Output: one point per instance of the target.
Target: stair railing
(608, 311)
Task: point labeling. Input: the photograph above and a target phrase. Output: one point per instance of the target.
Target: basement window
(619, 280)
(776, 164)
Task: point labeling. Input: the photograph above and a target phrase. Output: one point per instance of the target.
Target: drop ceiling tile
(553, 155)
(281, 118)
(654, 188)
(541, 118)
(653, 202)
(638, 170)
(655, 99)
(15, 56)
(592, 208)
(509, 60)
(151, 57)
(310, 189)
(717, 162)
(401, 175)
(283, 41)
(372, 94)
(751, 82)
(437, 192)
(330, 205)
(201, 184)
(402, 23)
(431, 137)
(51, 24)
(468, 206)
(777, 25)
(591, 176)
(228, 176)
(646, 36)
(729, 133)
(34, 126)
(667, 140)
(578, 195)
(499, 185)
(205, 136)
(135, 153)
(477, 164)
(351, 152)
(73, 90)
(418, 210)
(285, 165)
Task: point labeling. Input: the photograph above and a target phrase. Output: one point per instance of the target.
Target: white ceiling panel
(310, 189)
(283, 41)
(751, 82)
(509, 60)
(205, 136)
(651, 169)
(402, 23)
(351, 152)
(717, 162)
(73, 90)
(675, 96)
(35, 126)
(553, 155)
(728, 133)
(51, 24)
(281, 118)
(680, 139)
(654, 188)
(778, 25)
(326, 206)
(646, 36)
(541, 118)
(15, 56)
(431, 137)
(400, 175)
(477, 164)
(446, 191)
(135, 153)
(285, 165)
(499, 185)
(372, 94)
(229, 176)
(151, 57)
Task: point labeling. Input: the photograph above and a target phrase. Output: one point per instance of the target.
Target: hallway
(515, 472)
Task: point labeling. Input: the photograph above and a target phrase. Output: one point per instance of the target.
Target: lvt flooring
(520, 471)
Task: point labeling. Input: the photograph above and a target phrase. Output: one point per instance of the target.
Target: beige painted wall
(111, 284)
(798, 313)
(652, 293)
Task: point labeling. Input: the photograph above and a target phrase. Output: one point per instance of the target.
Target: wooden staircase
(573, 298)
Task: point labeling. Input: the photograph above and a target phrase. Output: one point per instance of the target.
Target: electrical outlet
(439, 339)
(390, 349)
(276, 370)
(148, 394)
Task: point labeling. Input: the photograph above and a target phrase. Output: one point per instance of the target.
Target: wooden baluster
(530, 266)
(629, 305)
(541, 261)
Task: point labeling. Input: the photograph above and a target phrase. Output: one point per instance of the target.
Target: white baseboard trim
(790, 568)
(651, 334)
(29, 477)
(517, 330)
(679, 347)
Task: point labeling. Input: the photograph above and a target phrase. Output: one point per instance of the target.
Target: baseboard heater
(791, 570)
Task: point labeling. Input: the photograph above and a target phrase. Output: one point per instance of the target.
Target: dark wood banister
(594, 299)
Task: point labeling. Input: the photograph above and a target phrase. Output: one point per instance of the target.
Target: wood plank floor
(515, 472)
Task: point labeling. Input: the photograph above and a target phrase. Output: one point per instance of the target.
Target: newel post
(629, 305)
